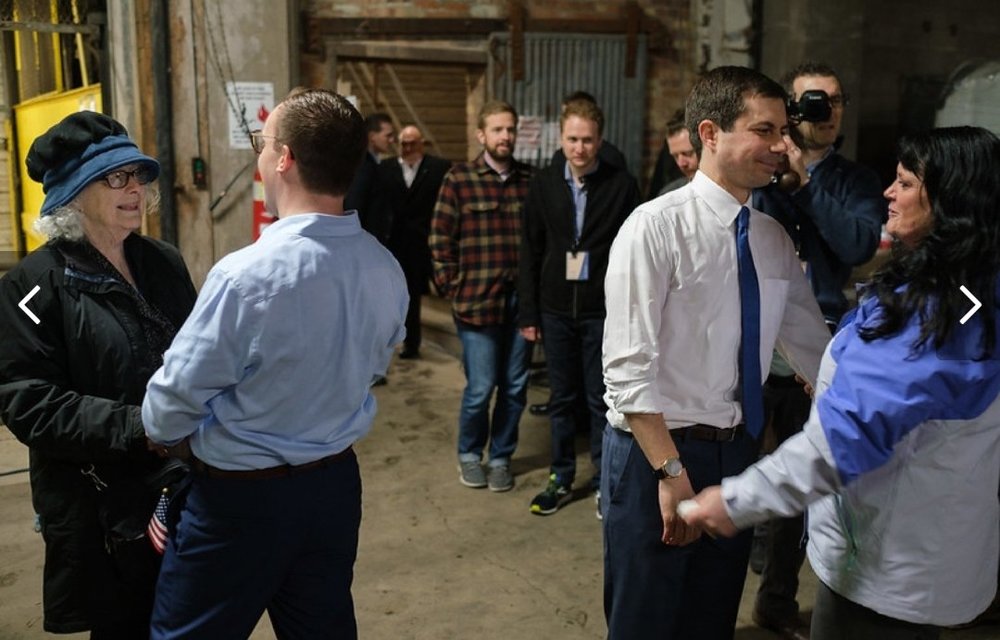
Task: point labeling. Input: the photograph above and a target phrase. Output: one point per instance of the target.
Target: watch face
(673, 468)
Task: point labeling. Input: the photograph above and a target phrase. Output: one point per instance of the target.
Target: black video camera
(812, 106)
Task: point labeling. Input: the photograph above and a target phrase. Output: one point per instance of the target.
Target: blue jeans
(573, 358)
(494, 357)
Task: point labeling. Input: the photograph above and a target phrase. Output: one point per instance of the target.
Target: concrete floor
(437, 560)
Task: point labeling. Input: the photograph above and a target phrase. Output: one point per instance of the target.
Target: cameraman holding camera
(833, 210)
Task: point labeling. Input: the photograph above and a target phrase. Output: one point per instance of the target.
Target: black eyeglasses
(119, 179)
(257, 140)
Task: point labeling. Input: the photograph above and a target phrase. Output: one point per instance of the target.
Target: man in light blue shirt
(267, 387)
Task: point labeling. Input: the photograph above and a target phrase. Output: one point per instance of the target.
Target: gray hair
(66, 223)
(63, 223)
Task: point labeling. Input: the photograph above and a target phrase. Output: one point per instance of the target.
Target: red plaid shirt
(475, 235)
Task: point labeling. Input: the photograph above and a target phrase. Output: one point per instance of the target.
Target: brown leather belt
(282, 471)
(707, 433)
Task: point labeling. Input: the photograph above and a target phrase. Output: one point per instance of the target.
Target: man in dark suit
(408, 188)
(363, 194)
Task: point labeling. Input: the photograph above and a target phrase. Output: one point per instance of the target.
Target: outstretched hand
(707, 511)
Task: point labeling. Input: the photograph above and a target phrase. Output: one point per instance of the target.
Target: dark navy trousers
(662, 592)
(242, 546)
(573, 358)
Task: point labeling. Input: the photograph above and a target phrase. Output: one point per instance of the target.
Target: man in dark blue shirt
(836, 214)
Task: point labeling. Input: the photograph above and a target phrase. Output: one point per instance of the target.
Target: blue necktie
(750, 385)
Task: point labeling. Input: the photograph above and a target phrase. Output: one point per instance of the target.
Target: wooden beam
(403, 52)
(377, 95)
(632, 15)
(428, 135)
(517, 15)
(362, 27)
(476, 28)
(359, 84)
(470, 27)
(613, 26)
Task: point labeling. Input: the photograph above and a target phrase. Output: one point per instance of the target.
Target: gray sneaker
(471, 474)
(499, 478)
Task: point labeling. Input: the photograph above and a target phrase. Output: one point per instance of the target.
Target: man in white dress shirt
(673, 347)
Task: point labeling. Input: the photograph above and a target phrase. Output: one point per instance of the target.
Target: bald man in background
(408, 188)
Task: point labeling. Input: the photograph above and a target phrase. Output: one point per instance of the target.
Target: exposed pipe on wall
(162, 118)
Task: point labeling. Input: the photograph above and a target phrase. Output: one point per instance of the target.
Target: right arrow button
(975, 305)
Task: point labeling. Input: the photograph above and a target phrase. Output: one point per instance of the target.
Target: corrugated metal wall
(556, 64)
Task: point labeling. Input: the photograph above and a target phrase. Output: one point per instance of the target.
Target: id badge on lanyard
(577, 265)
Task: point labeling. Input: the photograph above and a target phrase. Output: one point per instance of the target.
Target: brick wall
(671, 61)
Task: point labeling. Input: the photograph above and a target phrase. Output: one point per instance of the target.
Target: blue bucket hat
(82, 148)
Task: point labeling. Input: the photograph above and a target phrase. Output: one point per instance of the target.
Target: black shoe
(540, 409)
(409, 353)
(556, 494)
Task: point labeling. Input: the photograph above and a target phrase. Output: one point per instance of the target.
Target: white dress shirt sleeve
(803, 334)
(636, 289)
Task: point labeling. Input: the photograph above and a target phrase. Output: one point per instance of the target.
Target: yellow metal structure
(31, 119)
(42, 83)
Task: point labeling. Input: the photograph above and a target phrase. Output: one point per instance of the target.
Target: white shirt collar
(721, 202)
(405, 164)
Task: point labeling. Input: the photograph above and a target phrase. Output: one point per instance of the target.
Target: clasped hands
(181, 450)
(707, 513)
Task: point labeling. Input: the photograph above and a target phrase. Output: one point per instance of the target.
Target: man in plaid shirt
(474, 242)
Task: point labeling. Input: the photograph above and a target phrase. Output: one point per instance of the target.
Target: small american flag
(157, 529)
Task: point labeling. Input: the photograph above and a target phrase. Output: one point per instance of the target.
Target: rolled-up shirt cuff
(636, 398)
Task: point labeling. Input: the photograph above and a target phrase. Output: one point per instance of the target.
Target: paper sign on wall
(250, 101)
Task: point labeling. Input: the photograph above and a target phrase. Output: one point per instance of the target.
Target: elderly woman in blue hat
(108, 304)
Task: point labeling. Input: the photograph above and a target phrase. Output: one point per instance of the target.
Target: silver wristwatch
(671, 468)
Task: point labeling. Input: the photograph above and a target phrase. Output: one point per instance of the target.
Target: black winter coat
(362, 196)
(71, 389)
(835, 221)
(548, 233)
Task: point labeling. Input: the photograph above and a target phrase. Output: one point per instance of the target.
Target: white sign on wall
(249, 101)
(537, 139)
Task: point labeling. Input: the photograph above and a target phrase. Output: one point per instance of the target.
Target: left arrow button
(23, 304)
